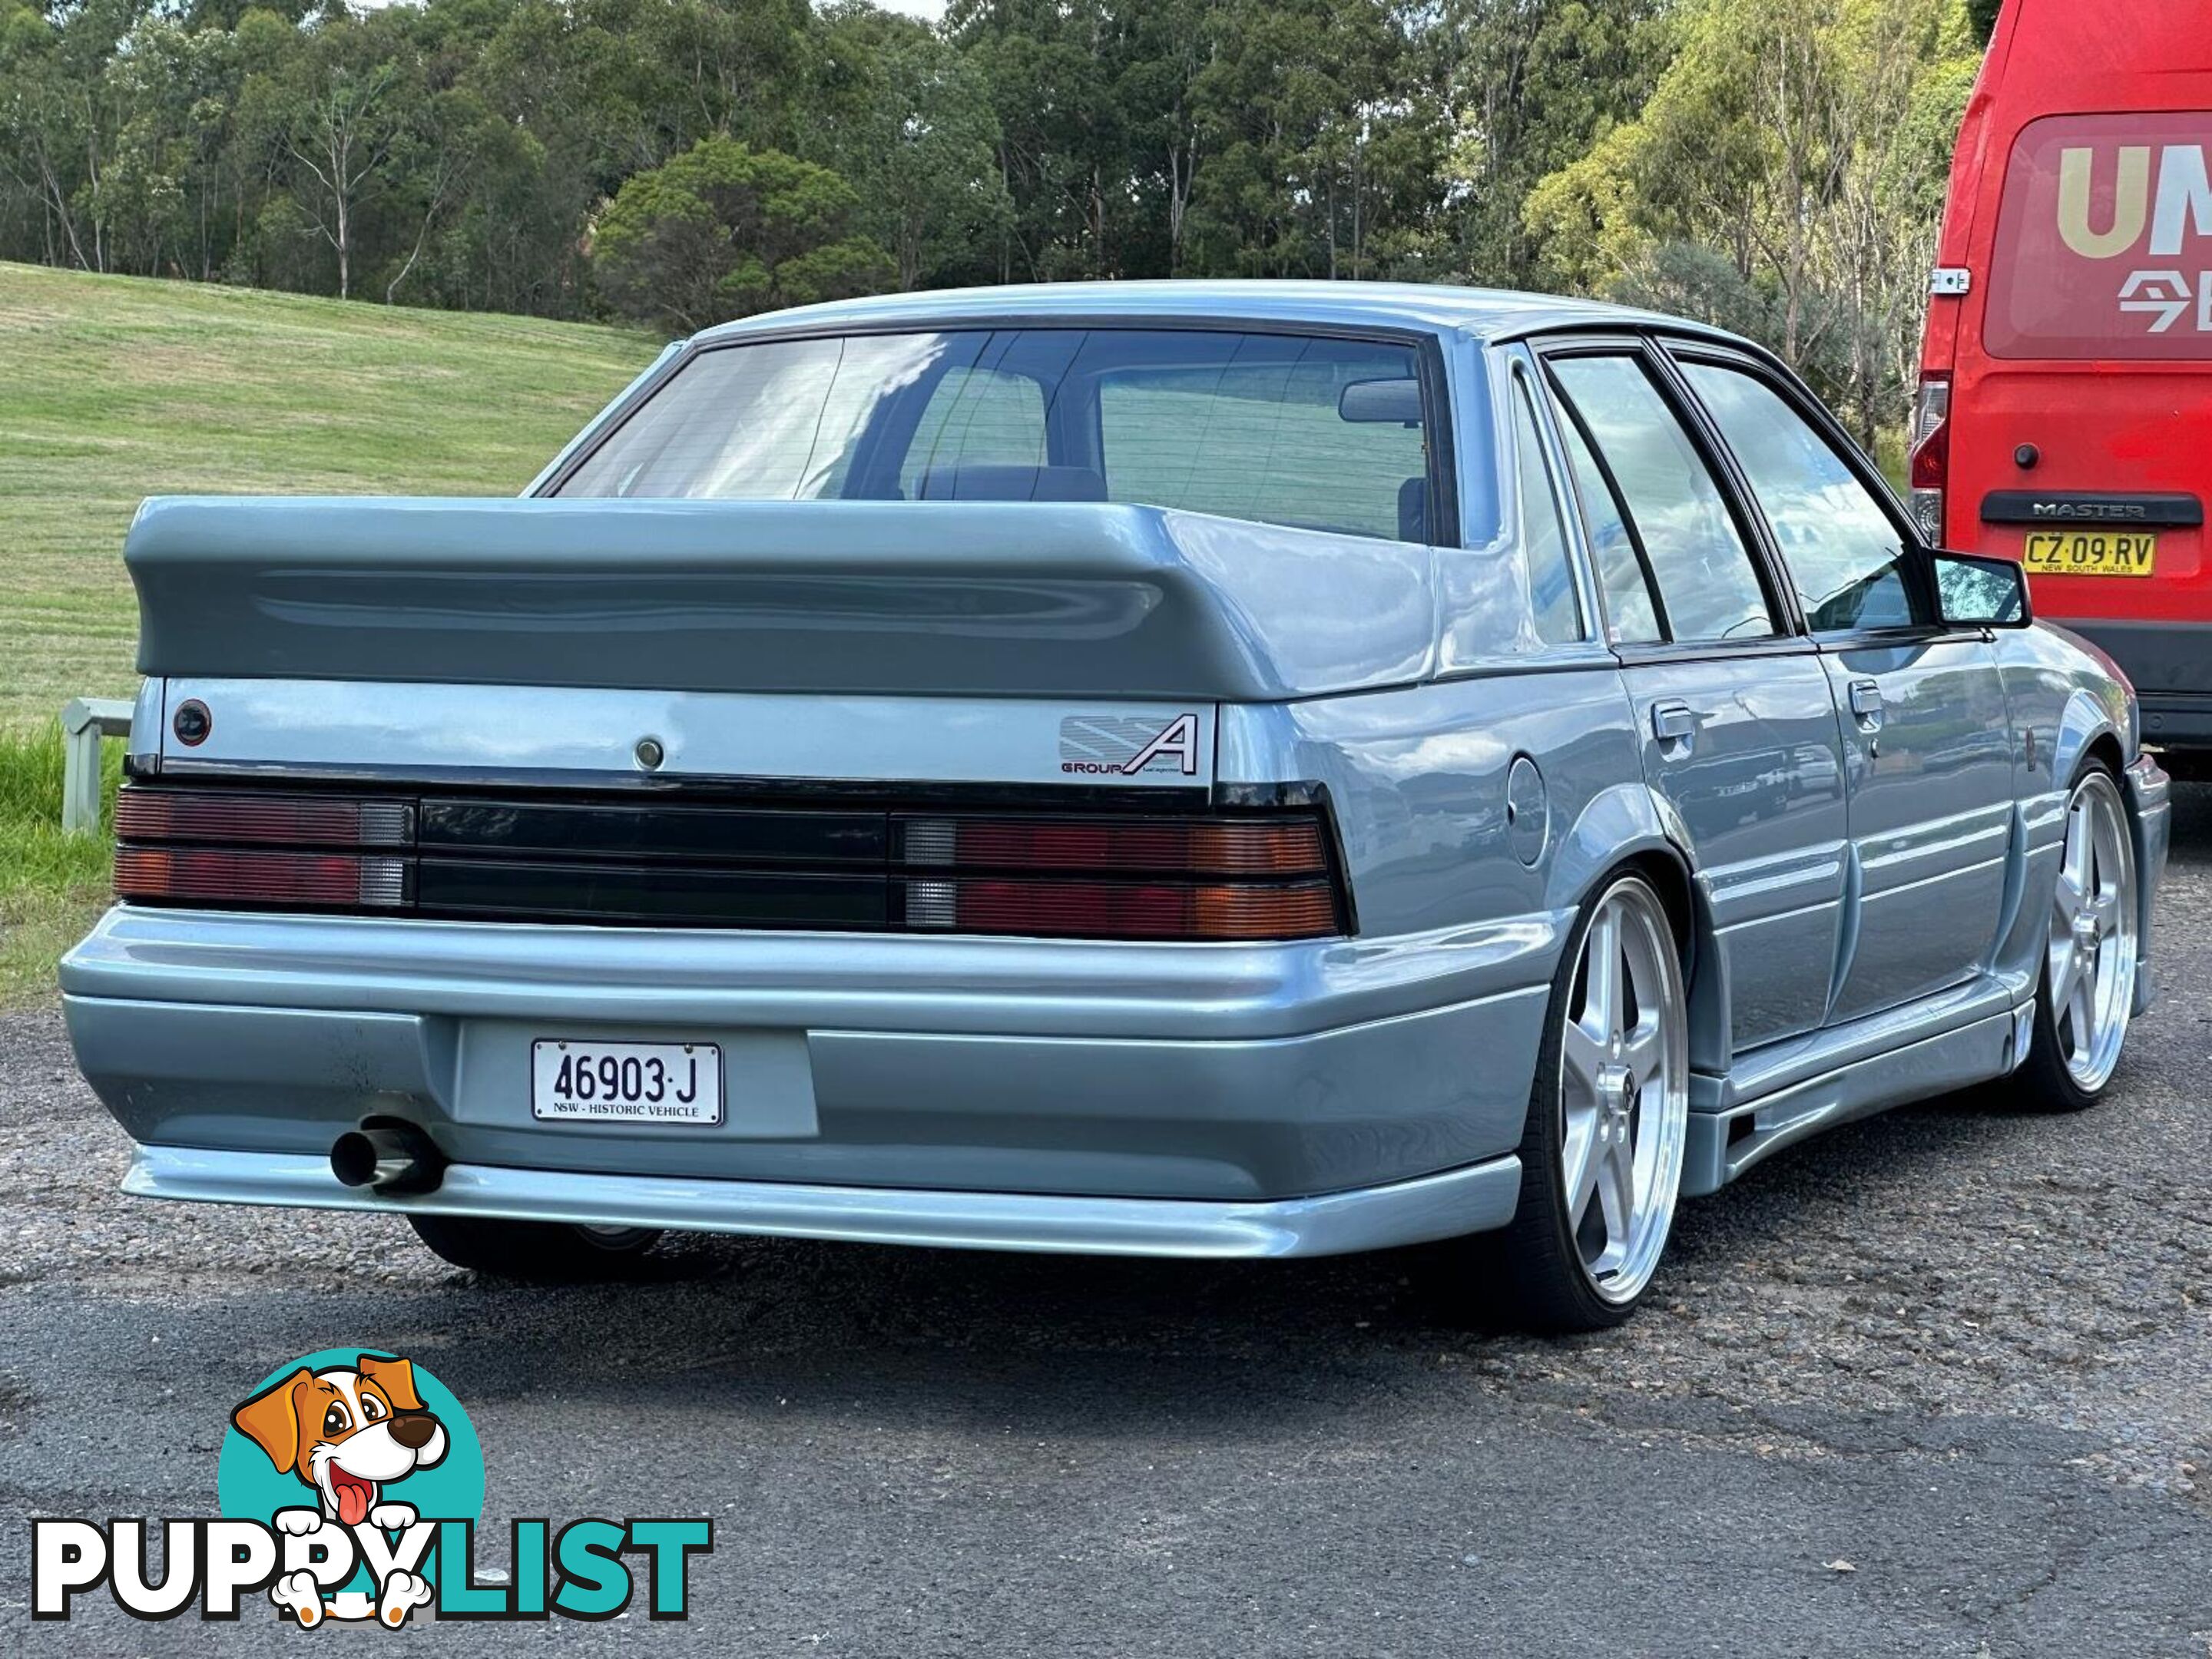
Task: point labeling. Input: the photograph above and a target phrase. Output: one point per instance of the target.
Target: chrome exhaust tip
(387, 1156)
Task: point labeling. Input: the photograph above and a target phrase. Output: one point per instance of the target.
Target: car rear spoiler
(952, 598)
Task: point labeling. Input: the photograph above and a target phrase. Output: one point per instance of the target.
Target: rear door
(1739, 730)
(1927, 740)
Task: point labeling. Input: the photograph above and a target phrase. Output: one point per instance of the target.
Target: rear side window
(1708, 587)
(1543, 542)
(2104, 240)
(1319, 431)
(1631, 616)
(1846, 556)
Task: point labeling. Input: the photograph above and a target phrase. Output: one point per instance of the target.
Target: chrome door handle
(1865, 701)
(1673, 722)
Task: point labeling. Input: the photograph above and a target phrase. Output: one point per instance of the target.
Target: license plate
(586, 1082)
(2092, 553)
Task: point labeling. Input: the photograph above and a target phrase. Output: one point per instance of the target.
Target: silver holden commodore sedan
(1187, 770)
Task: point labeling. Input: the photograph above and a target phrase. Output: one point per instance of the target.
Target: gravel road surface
(1939, 1383)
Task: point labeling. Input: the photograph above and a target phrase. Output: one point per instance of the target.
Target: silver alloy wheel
(1624, 1092)
(2090, 966)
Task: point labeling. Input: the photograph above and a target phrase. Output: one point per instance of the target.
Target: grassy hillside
(115, 388)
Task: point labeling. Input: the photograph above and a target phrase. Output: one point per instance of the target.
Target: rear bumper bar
(2170, 666)
(1213, 1074)
(1404, 1212)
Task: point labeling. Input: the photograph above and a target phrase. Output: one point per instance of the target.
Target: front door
(1926, 733)
(1928, 758)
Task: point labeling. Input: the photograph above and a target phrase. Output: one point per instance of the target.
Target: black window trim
(1436, 407)
(1678, 350)
(1790, 636)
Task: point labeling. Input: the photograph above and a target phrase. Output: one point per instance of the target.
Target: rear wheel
(2087, 993)
(1608, 1119)
(541, 1252)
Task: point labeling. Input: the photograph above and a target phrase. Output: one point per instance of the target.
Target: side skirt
(1729, 1133)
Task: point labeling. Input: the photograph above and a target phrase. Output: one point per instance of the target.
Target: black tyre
(1608, 1120)
(538, 1251)
(2086, 993)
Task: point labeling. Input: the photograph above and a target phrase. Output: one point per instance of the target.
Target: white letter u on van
(2130, 201)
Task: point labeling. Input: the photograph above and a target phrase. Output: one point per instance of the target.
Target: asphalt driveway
(1941, 1383)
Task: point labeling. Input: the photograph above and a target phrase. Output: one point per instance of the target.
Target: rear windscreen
(1321, 432)
(2104, 243)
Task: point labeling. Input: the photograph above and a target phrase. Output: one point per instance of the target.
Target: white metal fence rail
(85, 721)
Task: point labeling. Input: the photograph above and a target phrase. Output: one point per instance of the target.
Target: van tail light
(1931, 455)
(1248, 879)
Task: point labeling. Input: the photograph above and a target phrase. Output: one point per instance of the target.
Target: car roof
(1483, 313)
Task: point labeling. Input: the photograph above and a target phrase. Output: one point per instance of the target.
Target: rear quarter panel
(1419, 780)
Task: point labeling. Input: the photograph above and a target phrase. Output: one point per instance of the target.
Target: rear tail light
(1930, 439)
(1130, 910)
(1207, 847)
(1130, 878)
(203, 874)
(281, 820)
(257, 847)
(1246, 876)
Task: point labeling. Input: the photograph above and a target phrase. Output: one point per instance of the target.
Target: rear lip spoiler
(821, 598)
(2175, 509)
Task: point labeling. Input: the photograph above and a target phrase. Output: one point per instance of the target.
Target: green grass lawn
(51, 884)
(115, 388)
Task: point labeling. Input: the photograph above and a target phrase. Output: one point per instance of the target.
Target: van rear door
(2079, 361)
(2082, 431)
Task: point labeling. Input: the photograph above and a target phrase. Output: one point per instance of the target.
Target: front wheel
(2088, 990)
(1608, 1120)
(541, 1252)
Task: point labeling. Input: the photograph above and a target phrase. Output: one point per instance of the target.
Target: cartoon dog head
(346, 1433)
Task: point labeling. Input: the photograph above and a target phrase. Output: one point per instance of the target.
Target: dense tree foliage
(723, 231)
(1775, 165)
(1784, 178)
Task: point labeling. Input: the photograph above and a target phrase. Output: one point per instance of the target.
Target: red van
(2065, 408)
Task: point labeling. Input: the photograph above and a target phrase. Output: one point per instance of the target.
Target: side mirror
(1979, 592)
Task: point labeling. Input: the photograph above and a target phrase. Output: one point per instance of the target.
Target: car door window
(1552, 601)
(1630, 617)
(1846, 556)
(1708, 587)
